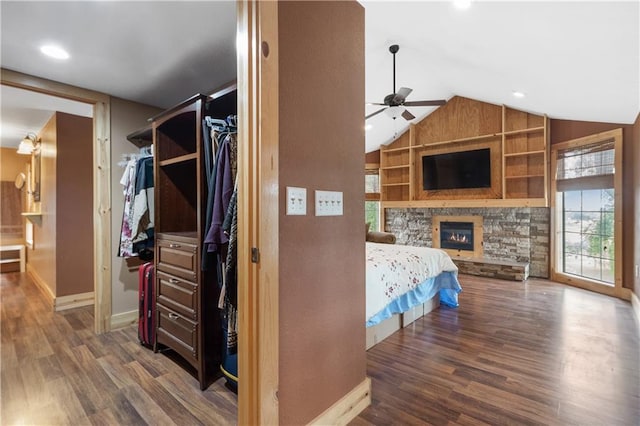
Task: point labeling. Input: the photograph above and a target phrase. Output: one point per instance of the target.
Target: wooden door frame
(258, 211)
(617, 290)
(101, 181)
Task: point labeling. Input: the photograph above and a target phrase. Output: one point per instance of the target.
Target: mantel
(493, 202)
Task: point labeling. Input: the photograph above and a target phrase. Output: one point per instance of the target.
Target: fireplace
(456, 235)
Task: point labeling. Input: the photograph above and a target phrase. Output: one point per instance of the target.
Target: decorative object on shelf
(395, 103)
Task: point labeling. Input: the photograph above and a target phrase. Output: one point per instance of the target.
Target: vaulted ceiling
(572, 60)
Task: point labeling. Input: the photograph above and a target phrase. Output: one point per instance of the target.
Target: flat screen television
(457, 170)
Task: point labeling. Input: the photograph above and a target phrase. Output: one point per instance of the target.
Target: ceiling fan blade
(407, 115)
(375, 113)
(402, 95)
(426, 103)
(375, 103)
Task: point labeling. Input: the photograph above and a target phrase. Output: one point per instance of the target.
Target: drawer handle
(173, 316)
(173, 245)
(173, 281)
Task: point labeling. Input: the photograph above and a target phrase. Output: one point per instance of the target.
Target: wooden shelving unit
(518, 141)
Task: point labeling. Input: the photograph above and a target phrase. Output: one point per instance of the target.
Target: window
(372, 196)
(587, 179)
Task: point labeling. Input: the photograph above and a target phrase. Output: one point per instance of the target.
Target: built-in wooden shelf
(402, 148)
(524, 154)
(524, 176)
(396, 184)
(33, 217)
(180, 159)
(402, 166)
(519, 146)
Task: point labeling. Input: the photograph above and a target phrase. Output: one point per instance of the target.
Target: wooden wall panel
(459, 118)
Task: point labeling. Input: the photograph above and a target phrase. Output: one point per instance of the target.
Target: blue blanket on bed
(446, 283)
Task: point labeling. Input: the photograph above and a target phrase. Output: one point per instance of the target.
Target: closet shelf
(177, 160)
(142, 137)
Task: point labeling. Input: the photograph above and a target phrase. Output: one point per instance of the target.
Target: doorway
(101, 183)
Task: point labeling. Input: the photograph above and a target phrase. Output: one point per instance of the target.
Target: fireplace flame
(458, 238)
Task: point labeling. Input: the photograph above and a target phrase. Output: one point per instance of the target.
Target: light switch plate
(329, 203)
(296, 201)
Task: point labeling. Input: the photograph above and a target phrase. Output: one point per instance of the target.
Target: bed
(403, 283)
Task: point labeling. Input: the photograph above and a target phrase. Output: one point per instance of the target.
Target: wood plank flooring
(512, 353)
(56, 371)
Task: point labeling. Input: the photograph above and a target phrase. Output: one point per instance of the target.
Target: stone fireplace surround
(518, 234)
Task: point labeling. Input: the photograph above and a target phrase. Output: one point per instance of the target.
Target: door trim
(258, 202)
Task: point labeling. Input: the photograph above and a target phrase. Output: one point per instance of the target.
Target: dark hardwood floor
(56, 371)
(512, 353)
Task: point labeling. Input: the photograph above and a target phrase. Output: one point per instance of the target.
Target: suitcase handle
(173, 245)
(173, 316)
(173, 281)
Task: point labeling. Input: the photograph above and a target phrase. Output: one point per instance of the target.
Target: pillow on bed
(381, 237)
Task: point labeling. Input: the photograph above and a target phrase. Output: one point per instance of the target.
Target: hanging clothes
(137, 230)
(222, 223)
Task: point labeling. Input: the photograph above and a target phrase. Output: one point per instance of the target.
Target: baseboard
(123, 319)
(71, 301)
(635, 304)
(348, 407)
(41, 284)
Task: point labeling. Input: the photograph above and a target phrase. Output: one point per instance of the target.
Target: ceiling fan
(395, 102)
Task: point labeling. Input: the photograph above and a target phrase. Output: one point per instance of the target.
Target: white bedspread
(392, 270)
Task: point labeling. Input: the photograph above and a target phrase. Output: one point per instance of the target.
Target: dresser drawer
(178, 294)
(177, 258)
(177, 332)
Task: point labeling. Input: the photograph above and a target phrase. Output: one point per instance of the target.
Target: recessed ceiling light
(462, 4)
(368, 126)
(518, 94)
(54, 51)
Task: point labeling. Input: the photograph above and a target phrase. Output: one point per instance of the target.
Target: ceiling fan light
(394, 111)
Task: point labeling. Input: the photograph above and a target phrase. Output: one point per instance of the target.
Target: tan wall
(62, 256)
(126, 117)
(12, 163)
(42, 258)
(74, 177)
(564, 130)
(322, 294)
